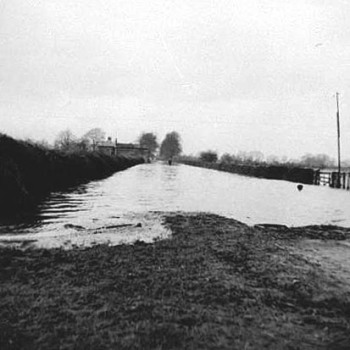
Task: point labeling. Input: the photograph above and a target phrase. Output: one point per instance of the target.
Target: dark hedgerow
(29, 172)
(276, 172)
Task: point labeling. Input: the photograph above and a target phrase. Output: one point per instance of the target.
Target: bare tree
(93, 137)
(256, 156)
(65, 141)
(316, 161)
(272, 160)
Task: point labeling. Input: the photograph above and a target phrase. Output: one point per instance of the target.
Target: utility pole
(338, 128)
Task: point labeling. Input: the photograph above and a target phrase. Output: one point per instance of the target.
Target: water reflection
(159, 187)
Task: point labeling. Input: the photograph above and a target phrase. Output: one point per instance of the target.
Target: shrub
(208, 156)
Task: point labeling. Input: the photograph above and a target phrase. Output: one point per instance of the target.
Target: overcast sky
(227, 75)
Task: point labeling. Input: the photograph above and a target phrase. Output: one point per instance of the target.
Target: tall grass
(28, 172)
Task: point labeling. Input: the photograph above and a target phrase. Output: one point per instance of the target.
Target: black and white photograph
(174, 174)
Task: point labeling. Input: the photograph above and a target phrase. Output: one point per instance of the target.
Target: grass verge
(216, 284)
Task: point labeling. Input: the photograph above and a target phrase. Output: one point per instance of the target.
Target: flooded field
(129, 201)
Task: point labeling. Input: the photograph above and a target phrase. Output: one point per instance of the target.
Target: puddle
(131, 228)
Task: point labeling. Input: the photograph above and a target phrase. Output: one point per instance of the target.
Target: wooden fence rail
(330, 178)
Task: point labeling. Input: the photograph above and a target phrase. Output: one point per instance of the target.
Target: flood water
(129, 200)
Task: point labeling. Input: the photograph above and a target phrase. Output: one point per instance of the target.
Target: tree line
(66, 141)
(308, 160)
(171, 146)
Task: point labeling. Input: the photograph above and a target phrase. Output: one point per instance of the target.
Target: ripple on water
(159, 187)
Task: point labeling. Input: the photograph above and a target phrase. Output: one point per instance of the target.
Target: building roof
(130, 146)
(120, 146)
(107, 143)
(126, 145)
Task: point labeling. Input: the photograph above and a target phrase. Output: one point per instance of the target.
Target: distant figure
(300, 187)
(170, 161)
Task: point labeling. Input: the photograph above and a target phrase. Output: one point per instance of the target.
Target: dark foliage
(209, 156)
(28, 172)
(171, 145)
(149, 140)
(276, 172)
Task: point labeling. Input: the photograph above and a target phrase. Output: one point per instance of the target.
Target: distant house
(130, 149)
(107, 147)
(122, 149)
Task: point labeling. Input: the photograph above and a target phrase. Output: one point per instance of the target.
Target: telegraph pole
(338, 129)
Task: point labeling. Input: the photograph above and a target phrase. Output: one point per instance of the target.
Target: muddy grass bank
(216, 284)
(275, 172)
(29, 172)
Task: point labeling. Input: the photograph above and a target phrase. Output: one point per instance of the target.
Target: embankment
(302, 175)
(216, 284)
(29, 172)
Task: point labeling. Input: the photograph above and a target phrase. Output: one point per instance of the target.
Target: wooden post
(338, 130)
(345, 179)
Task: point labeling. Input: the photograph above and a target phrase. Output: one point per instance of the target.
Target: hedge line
(29, 172)
(302, 175)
